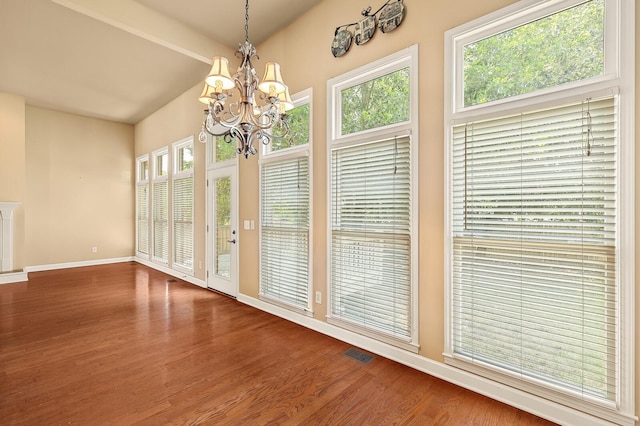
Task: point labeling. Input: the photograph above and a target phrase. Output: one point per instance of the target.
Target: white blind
(183, 222)
(284, 251)
(371, 237)
(142, 218)
(161, 220)
(534, 246)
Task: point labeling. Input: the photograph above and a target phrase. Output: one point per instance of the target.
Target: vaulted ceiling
(121, 60)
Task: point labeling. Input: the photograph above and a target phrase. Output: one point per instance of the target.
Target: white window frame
(155, 179)
(406, 58)
(179, 175)
(512, 16)
(304, 97)
(143, 182)
(618, 78)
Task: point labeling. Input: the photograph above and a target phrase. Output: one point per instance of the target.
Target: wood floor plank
(124, 344)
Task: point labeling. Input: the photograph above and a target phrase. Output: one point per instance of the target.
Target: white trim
(405, 58)
(79, 264)
(142, 261)
(13, 277)
(626, 208)
(6, 235)
(541, 407)
(185, 277)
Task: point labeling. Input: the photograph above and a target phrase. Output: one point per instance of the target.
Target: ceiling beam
(146, 23)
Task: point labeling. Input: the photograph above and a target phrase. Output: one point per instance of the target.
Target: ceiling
(121, 60)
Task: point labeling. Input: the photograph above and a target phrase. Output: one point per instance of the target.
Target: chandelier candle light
(244, 120)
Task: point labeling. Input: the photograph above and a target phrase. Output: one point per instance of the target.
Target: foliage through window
(376, 103)
(561, 48)
(223, 151)
(299, 125)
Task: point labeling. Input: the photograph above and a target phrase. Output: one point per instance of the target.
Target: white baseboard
(13, 277)
(540, 407)
(162, 268)
(54, 266)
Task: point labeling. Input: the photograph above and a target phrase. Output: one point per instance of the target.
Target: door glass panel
(224, 150)
(223, 226)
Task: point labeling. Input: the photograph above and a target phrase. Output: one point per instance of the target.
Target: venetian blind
(160, 220)
(534, 246)
(183, 222)
(284, 249)
(371, 237)
(142, 218)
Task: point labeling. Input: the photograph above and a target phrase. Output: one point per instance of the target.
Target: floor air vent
(358, 355)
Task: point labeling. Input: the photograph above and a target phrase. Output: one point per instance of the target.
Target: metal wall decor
(391, 15)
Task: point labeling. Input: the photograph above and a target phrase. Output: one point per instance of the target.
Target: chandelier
(244, 120)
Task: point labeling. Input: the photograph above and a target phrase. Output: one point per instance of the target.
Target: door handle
(232, 241)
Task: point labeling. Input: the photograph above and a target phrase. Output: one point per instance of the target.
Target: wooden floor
(123, 344)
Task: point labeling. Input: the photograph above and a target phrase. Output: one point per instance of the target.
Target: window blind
(371, 237)
(183, 222)
(284, 250)
(142, 222)
(534, 246)
(161, 220)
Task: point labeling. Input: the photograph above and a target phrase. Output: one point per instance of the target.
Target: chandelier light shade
(236, 110)
(219, 77)
(272, 83)
(285, 101)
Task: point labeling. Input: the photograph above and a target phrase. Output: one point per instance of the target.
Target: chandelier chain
(246, 21)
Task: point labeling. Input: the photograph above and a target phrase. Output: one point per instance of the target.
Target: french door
(222, 231)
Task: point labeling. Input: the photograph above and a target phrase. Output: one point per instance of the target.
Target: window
(372, 163)
(526, 58)
(142, 206)
(220, 150)
(183, 205)
(536, 226)
(160, 199)
(285, 213)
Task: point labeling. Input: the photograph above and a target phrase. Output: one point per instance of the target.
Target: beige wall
(12, 167)
(79, 188)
